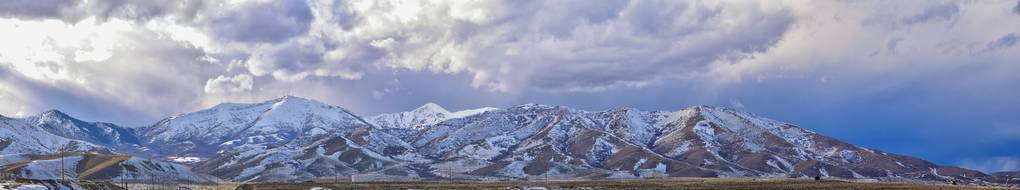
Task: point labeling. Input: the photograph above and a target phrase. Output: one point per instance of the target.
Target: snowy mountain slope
(341, 152)
(720, 137)
(286, 139)
(53, 131)
(532, 141)
(529, 141)
(297, 139)
(244, 126)
(104, 167)
(101, 133)
(427, 114)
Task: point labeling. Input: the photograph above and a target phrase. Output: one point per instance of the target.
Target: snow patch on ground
(31, 187)
(774, 165)
(707, 135)
(514, 169)
(849, 156)
(12, 158)
(458, 166)
(186, 159)
(680, 150)
(489, 148)
(601, 150)
(857, 175)
(786, 164)
(147, 169)
(50, 169)
(658, 171)
(621, 175)
(638, 164)
(315, 131)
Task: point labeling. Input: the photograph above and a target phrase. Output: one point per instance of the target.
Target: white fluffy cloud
(221, 84)
(115, 62)
(134, 50)
(512, 46)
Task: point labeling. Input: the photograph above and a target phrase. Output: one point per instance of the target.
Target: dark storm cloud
(1016, 9)
(296, 60)
(67, 98)
(556, 46)
(36, 8)
(273, 21)
(941, 12)
(625, 61)
(1007, 41)
(145, 10)
(891, 45)
(75, 10)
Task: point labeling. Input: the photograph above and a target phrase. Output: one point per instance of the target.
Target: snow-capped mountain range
(298, 139)
(421, 117)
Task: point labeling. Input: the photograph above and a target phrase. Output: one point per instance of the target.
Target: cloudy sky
(934, 79)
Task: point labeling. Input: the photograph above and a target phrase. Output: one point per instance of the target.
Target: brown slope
(93, 164)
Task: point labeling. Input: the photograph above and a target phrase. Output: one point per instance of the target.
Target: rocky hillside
(53, 132)
(297, 139)
(102, 167)
(538, 141)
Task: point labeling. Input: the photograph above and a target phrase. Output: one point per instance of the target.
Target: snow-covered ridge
(295, 139)
(428, 114)
(53, 131)
(231, 125)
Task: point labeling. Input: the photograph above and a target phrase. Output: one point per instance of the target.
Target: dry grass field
(646, 184)
(651, 184)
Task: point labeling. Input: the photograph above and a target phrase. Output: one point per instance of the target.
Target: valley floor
(648, 184)
(644, 184)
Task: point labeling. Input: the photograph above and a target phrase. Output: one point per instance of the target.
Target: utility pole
(449, 172)
(547, 183)
(123, 178)
(62, 166)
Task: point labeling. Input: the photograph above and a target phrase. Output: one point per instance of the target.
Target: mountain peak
(533, 106)
(54, 113)
(292, 98)
(627, 109)
(298, 101)
(297, 104)
(699, 108)
(287, 99)
(432, 107)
